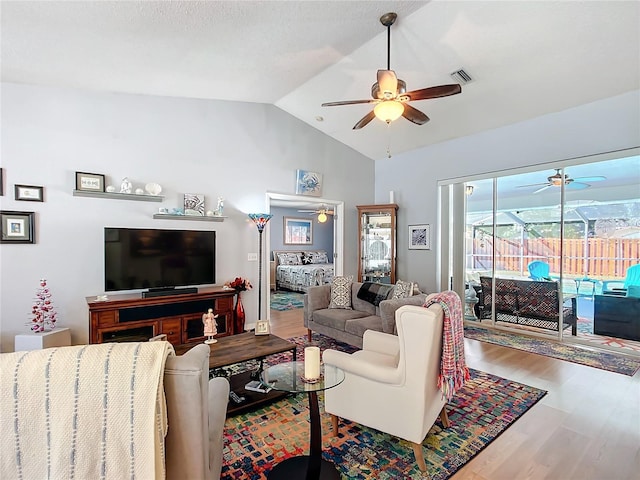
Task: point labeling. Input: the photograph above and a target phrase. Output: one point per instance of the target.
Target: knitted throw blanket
(453, 368)
(84, 412)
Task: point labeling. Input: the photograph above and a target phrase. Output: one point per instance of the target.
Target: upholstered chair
(195, 412)
(391, 384)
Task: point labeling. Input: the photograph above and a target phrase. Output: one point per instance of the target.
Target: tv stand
(176, 313)
(163, 292)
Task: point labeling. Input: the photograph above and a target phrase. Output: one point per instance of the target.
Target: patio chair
(632, 279)
(539, 270)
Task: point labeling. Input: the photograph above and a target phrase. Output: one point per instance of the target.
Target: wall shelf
(119, 196)
(169, 216)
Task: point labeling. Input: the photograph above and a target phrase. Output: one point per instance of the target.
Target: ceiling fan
(557, 179)
(321, 212)
(390, 93)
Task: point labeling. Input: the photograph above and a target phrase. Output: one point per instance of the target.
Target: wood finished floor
(586, 428)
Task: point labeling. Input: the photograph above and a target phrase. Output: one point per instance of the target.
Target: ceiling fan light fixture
(322, 217)
(389, 110)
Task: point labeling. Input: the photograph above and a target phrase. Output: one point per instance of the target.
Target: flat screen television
(139, 258)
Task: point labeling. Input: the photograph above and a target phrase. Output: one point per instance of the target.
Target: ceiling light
(389, 110)
(322, 217)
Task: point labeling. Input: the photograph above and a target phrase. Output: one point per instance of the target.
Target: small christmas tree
(43, 312)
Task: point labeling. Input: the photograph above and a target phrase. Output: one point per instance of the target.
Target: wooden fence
(601, 258)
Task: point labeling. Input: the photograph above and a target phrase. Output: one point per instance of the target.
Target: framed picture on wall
(298, 231)
(308, 183)
(17, 227)
(419, 237)
(29, 193)
(90, 182)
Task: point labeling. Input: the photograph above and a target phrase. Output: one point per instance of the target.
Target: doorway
(299, 202)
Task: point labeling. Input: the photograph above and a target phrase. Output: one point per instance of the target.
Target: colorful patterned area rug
(479, 413)
(282, 300)
(598, 359)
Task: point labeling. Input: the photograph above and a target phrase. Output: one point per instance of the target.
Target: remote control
(234, 396)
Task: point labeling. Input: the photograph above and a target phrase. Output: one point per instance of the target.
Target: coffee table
(240, 348)
(287, 377)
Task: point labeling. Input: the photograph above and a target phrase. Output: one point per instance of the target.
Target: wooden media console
(130, 317)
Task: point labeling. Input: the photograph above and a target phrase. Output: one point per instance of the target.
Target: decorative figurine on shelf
(220, 207)
(210, 327)
(126, 186)
(44, 315)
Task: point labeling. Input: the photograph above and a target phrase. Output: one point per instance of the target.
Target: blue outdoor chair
(632, 279)
(539, 270)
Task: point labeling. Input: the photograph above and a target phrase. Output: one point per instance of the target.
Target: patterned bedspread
(300, 277)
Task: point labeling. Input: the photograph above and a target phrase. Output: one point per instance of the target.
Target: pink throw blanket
(453, 368)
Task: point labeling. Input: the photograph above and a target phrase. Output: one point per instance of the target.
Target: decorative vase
(239, 317)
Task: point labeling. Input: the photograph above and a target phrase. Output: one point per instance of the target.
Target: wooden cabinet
(129, 317)
(377, 243)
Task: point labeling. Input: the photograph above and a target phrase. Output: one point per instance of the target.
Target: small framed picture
(29, 193)
(298, 231)
(1, 182)
(308, 183)
(90, 182)
(262, 327)
(419, 237)
(194, 204)
(17, 227)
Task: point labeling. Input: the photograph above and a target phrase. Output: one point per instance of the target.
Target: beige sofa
(195, 412)
(349, 325)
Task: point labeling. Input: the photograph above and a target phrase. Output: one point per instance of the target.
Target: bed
(298, 270)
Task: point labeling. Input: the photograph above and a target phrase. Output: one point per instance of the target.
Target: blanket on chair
(453, 367)
(87, 411)
(374, 292)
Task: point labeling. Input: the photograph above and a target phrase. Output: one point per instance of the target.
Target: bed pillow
(402, 289)
(319, 257)
(341, 292)
(290, 258)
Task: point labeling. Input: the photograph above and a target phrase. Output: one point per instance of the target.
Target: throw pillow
(306, 259)
(402, 289)
(290, 258)
(319, 257)
(341, 292)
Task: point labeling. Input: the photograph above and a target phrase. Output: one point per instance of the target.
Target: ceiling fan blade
(364, 120)
(577, 186)
(597, 178)
(434, 92)
(543, 188)
(534, 185)
(388, 83)
(348, 102)
(414, 115)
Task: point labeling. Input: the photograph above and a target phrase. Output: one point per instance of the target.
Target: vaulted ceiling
(526, 58)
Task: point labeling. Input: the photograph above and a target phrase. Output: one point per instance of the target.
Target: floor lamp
(260, 219)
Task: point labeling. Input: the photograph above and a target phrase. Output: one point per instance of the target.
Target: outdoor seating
(530, 303)
(616, 287)
(538, 270)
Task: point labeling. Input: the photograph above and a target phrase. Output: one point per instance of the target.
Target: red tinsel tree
(44, 315)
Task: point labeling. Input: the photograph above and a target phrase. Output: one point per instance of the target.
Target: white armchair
(391, 384)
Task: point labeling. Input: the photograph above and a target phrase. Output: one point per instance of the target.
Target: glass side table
(287, 377)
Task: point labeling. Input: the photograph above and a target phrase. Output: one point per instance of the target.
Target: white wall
(230, 149)
(598, 127)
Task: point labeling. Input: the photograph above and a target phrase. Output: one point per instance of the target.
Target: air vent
(461, 76)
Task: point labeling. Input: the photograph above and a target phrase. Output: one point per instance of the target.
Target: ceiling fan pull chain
(388, 140)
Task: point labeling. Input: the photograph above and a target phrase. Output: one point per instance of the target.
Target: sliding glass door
(538, 245)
